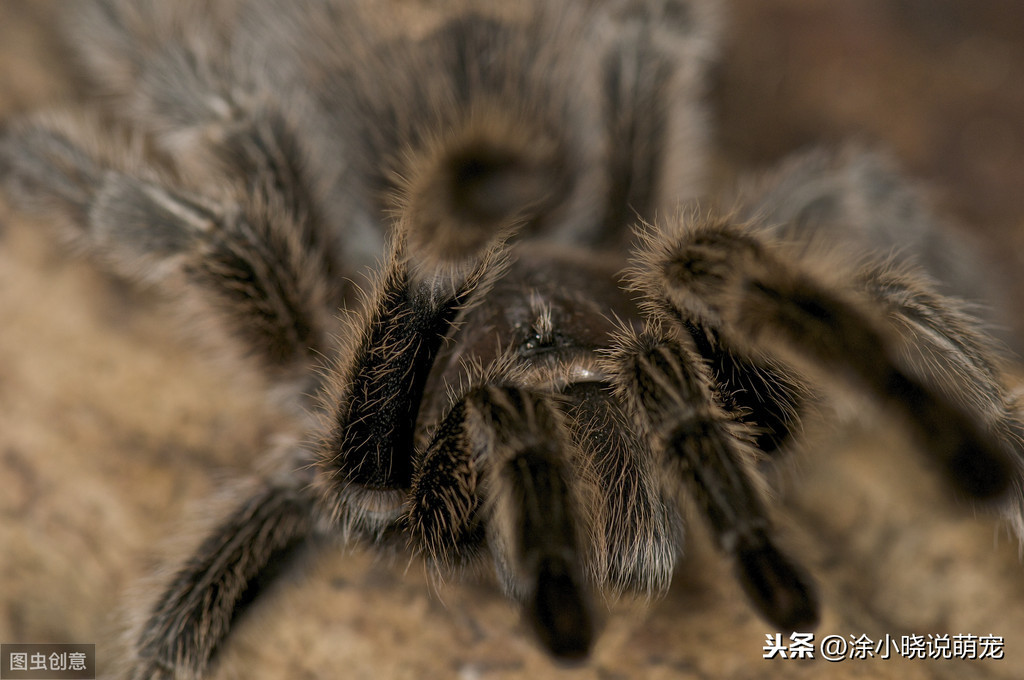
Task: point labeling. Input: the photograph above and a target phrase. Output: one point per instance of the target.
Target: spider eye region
(530, 341)
(541, 329)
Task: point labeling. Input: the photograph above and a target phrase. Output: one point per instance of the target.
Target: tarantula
(510, 386)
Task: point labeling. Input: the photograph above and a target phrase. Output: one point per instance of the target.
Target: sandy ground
(111, 427)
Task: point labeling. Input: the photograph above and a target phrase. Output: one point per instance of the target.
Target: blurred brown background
(940, 83)
(110, 427)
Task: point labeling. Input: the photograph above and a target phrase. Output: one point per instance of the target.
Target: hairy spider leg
(758, 391)
(669, 389)
(365, 459)
(643, 527)
(712, 270)
(239, 258)
(235, 563)
(248, 266)
(498, 468)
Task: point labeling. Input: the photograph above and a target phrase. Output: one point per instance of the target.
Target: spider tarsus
(779, 589)
(560, 612)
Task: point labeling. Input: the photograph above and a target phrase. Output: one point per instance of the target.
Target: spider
(558, 343)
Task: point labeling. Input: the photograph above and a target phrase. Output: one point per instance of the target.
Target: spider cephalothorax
(553, 351)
